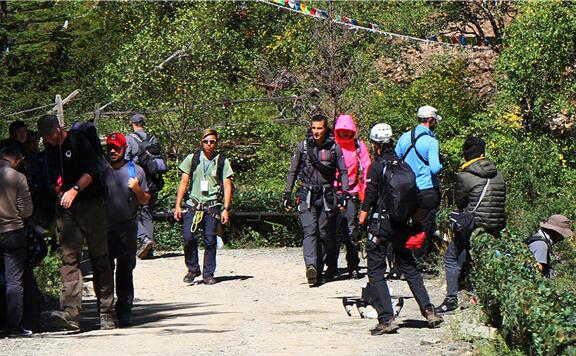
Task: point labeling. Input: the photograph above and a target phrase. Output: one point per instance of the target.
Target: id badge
(204, 186)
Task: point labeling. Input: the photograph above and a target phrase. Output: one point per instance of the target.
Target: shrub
(48, 274)
(532, 312)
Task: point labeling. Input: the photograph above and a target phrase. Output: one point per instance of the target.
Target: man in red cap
(127, 190)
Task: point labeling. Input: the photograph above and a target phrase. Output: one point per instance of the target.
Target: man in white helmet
(378, 244)
(419, 148)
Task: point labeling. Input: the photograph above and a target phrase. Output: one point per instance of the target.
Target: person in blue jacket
(419, 148)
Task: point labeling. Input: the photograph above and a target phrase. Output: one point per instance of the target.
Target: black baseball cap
(47, 124)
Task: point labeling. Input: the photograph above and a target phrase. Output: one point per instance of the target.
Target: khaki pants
(84, 220)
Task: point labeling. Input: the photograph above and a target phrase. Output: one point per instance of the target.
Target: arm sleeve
(186, 164)
(24, 199)
(371, 196)
(295, 166)
(227, 171)
(434, 157)
(89, 161)
(342, 169)
(365, 160)
(141, 178)
(461, 194)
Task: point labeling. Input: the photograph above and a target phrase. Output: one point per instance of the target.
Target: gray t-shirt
(121, 202)
(540, 251)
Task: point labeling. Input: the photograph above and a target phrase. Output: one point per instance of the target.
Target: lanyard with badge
(204, 181)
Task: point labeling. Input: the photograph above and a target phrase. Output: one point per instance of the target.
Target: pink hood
(345, 122)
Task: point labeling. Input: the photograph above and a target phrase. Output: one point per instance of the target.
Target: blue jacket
(427, 146)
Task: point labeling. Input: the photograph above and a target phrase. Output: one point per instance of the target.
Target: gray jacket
(15, 199)
(490, 214)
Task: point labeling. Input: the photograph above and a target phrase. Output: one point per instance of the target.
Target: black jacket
(490, 214)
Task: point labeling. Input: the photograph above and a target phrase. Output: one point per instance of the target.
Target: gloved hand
(287, 200)
(343, 200)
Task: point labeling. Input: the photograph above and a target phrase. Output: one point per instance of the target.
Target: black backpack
(88, 130)
(219, 171)
(151, 160)
(399, 190)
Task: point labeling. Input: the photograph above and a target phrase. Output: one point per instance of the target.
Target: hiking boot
(398, 306)
(355, 274)
(107, 322)
(312, 275)
(61, 320)
(388, 327)
(209, 280)
(124, 321)
(434, 320)
(145, 249)
(19, 332)
(189, 277)
(328, 276)
(447, 306)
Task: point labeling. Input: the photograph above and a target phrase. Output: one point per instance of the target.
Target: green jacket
(470, 182)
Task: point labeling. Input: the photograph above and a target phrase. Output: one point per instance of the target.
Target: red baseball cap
(116, 139)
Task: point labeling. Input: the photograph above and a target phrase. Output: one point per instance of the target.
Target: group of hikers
(106, 197)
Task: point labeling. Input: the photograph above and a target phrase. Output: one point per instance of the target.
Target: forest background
(256, 72)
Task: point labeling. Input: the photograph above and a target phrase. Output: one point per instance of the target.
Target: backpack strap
(195, 162)
(413, 140)
(481, 195)
(140, 140)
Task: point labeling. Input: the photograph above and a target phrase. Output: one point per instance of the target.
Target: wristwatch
(76, 187)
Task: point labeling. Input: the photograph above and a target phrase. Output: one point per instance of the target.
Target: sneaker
(209, 280)
(348, 303)
(328, 276)
(107, 322)
(19, 332)
(61, 320)
(312, 275)
(434, 320)
(145, 249)
(355, 274)
(125, 321)
(189, 277)
(447, 306)
(388, 327)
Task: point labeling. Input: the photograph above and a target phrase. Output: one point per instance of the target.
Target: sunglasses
(209, 142)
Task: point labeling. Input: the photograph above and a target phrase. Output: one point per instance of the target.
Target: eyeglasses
(208, 142)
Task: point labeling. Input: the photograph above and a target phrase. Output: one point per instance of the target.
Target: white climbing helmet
(381, 133)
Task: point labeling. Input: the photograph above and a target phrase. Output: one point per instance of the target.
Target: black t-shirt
(72, 159)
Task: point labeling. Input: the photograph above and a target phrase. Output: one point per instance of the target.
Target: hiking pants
(429, 204)
(209, 225)
(377, 263)
(145, 223)
(84, 220)
(346, 223)
(122, 245)
(13, 249)
(319, 243)
(454, 259)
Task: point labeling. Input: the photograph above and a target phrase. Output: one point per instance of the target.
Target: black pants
(429, 204)
(346, 224)
(377, 266)
(13, 248)
(122, 245)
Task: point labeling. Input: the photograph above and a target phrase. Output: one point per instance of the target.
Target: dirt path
(260, 305)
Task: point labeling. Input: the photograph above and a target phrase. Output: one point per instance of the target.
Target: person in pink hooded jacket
(357, 159)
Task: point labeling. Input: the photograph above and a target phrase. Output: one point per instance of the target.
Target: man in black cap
(81, 215)
(136, 143)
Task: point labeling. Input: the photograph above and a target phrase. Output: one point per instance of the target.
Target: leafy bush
(532, 312)
(48, 274)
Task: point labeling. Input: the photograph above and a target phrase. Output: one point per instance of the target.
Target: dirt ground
(260, 305)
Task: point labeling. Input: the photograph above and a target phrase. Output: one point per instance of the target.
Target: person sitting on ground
(377, 246)
(477, 175)
(208, 204)
(552, 231)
